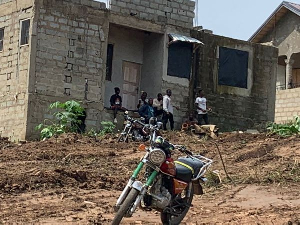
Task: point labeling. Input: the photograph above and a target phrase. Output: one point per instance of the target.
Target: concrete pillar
(289, 73)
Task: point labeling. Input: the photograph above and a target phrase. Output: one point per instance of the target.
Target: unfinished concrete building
(56, 50)
(282, 30)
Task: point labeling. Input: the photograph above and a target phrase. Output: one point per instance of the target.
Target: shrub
(107, 128)
(66, 118)
(287, 129)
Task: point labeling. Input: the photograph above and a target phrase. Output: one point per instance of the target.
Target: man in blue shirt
(147, 110)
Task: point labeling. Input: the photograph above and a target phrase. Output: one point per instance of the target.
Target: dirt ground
(76, 180)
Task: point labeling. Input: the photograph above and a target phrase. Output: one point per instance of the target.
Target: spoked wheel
(127, 204)
(179, 208)
(123, 138)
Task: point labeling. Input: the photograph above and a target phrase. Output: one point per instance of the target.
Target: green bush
(66, 118)
(107, 128)
(287, 129)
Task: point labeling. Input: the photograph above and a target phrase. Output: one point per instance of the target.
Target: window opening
(25, 24)
(233, 67)
(1, 38)
(110, 51)
(180, 59)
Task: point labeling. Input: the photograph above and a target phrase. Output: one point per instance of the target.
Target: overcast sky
(235, 18)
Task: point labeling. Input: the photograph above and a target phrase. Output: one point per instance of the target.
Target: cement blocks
(287, 105)
(178, 13)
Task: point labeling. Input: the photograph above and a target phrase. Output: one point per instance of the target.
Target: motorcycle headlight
(157, 156)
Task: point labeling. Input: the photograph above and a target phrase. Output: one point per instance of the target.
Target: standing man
(158, 105)
(201, 108)
(116, 103)
(168, 110)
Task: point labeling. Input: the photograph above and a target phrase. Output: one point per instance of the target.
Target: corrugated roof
(294, 5)
(178, 37)
(279, 12)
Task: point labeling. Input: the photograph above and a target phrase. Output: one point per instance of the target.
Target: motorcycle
(168, 186)
(135, 129)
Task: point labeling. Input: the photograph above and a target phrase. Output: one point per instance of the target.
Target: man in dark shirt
(146, 110)
(116, 103)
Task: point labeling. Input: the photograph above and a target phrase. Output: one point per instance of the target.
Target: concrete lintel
(136, 23)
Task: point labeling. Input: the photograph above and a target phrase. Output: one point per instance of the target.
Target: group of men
(161, 107)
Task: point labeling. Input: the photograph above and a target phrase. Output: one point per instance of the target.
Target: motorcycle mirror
(142, 147)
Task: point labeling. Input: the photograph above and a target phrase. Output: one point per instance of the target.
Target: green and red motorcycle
(168, 186)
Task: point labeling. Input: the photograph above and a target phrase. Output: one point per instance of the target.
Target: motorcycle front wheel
(181, 205)
(126, 205)
(124, 136)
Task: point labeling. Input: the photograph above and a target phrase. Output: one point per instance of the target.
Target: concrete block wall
(70, 58)
(287, 105)
(14, 68)
(5, 1)
(234, 111)
(172, 12)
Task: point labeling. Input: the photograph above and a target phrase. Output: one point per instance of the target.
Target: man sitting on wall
(146, 110)
(116, 103)
(143, 100)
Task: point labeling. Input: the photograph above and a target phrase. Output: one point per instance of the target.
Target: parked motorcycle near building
(135, 129)
(168, 186)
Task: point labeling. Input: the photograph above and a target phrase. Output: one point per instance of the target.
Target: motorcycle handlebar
(183, 149)
(155, 127)
(140, 122)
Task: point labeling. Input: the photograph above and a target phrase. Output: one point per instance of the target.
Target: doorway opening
(134, 64)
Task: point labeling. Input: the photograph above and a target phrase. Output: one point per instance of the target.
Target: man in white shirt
(201, 108)
(168, 110)
(158, 105)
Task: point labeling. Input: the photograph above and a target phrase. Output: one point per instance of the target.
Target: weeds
(287, 129)
(66, 118)
(213, 179)
(107, 128)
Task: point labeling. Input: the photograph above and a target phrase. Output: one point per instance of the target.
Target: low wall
(287, 105)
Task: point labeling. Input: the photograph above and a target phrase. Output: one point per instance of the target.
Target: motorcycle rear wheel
(127, 204)
(169, 219)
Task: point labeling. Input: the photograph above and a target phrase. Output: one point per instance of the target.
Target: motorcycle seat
(183, 173)
(195, 164)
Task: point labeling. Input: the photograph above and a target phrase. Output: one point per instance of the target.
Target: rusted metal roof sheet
(281, 10)
(178, 37)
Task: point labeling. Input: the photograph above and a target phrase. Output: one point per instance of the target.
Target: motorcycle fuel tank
(168, 167)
